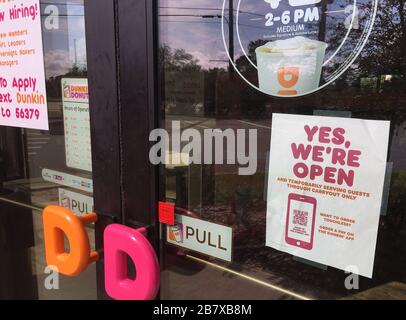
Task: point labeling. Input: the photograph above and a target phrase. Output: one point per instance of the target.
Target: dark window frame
(121, 38)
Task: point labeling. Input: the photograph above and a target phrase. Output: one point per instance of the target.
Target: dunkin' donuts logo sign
(75, 92)
(290, 48)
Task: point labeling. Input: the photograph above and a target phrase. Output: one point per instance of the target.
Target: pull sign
(121, 242)
(59, 221)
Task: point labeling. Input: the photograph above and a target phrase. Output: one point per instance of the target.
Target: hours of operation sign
(76, 119)
(23, 101)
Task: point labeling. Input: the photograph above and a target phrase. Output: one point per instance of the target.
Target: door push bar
(119, 242)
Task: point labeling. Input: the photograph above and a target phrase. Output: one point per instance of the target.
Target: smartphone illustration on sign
(300, 221)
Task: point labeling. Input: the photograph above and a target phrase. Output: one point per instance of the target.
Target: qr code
(300, 217)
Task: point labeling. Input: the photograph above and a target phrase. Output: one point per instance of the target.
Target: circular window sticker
(291, 48)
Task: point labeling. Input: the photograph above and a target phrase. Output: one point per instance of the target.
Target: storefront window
(203, 90)
(41, 168)
(278, 128)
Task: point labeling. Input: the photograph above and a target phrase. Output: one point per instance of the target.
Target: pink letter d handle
(120, 241)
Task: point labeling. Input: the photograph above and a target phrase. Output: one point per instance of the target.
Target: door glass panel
(201, 90)
(41, 168)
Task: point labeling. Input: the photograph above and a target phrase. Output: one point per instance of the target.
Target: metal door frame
(121, 38)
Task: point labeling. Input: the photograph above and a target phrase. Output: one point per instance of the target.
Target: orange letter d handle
(59, 221)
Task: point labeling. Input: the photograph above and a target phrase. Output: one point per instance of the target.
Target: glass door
(216, 59)
(48, 167)
(93, 159)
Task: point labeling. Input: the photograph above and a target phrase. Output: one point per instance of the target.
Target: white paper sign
(202, 236)
(23, 101)
(325, 186)
(76, 121)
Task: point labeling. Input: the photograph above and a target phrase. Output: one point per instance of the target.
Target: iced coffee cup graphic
(176, 233)
(290, 67)
(65, 202)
